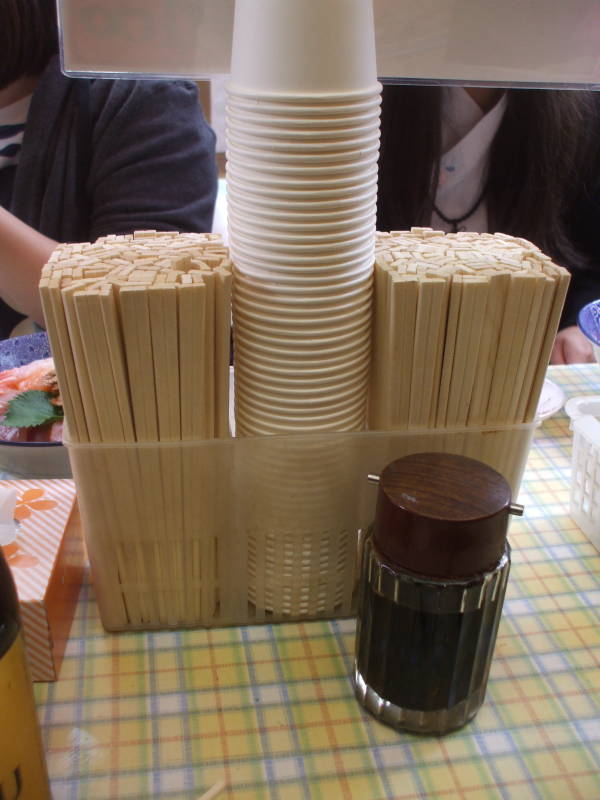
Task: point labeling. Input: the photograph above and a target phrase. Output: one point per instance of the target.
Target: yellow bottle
(23, 774)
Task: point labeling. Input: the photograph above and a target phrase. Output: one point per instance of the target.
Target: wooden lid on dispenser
(442, 515)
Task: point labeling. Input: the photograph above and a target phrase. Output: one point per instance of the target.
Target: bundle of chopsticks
(464, 328)
(139, 327)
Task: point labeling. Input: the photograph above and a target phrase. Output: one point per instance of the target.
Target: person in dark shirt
(85, 158)
(539, 176)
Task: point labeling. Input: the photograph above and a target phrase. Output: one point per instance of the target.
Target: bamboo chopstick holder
(478, 355)
(562, 285)
(466, 350)
(431, 315)
(81, 366)
(223, 287)
(192, 374)
(112, 331)
(404, 289)
(137, 340)
(63, 357)
(454, 308)
(96, 352)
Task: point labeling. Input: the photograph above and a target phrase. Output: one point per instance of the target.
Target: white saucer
(552, 399)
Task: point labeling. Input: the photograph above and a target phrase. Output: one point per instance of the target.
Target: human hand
(571, 347)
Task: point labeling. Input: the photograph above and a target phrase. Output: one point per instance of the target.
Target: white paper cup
(320, 103)
(302, 250)
(247, 426)
(302, 201)
(309, 372)
(261, 261)
(284, 220)
(264, 414)
(301, 138)
(249, 432)
(239, 118)
(339, 389)
(307, 287)
(336, 394)
(272, 412)
(296, 327)
(296, 220)
(312, 227)
(302, 130)
(303, 46)
(304, 208)
(295, 394)
(341, 289)
(269, 393)
(329, 159)
(355, 192)
(296, 308)
(272, 329)
(304, 350)
(306, 357)
(338, 179)
(300, 216)
(274, 246)
(309, 98)
(363, 163)
(255, 229)
(259, 142)
(314, 276)
(308, 379)
(262, 368)
(263, 243)
(246, 219)
(297, 304)
(264, 109)
(304, 285)
(313, 100)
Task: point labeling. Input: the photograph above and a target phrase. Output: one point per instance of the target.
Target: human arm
(23, 253)
(150, 163)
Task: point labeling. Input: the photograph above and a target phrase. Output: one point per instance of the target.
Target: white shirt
(12, 126)
(467, 135)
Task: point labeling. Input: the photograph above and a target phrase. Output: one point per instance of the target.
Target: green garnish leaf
(30, 409)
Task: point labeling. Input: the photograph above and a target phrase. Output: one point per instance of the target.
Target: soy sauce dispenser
(434, 572)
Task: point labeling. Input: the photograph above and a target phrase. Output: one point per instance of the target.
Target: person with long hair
(85, 158)
(525, 162)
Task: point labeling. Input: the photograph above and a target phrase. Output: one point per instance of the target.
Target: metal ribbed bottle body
(424, 646)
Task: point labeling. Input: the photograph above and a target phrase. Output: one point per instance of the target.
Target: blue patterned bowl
(30, 459)
(589, 324)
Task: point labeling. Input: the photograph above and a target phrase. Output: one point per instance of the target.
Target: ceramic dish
(30, 459)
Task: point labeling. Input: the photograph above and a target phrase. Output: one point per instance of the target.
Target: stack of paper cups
(303, 142)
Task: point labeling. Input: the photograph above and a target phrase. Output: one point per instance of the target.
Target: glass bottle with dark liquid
(22, 765)
(434, 573)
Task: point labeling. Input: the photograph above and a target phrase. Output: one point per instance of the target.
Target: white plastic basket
(585, 470)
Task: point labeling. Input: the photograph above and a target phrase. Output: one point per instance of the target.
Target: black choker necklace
(455, 221)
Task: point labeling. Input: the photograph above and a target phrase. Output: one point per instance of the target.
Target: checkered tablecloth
(271, 710)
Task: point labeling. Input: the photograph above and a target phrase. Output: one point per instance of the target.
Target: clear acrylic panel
(535, 43)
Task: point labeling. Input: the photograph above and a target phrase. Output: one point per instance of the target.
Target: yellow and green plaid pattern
(271, 709)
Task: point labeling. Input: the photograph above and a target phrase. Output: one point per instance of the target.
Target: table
(270, 709)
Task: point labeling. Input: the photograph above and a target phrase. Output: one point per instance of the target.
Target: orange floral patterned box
(47, 561)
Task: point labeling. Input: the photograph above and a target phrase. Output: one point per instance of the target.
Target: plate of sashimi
(31, 413)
